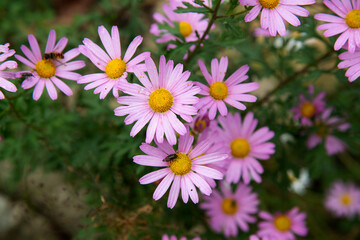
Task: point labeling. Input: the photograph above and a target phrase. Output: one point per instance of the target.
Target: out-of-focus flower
(47, 70)
(325, 125)
(115, 69)
(348, 23)
(256, 237)
(173, 237)
(184, 169)
(351, 61)
(187, 23)
(299, 185)
(283, 226)
(274, 13)
(245, 146)
(4, 75)
(343, 199)
(228, 211)
(159, 100)
(219, 92)
(307, 109)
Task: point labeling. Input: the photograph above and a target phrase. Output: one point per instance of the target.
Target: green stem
(289, 79)
(200, 41)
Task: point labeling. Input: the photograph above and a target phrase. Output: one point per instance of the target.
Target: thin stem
(208, 8)
(288, 80)
(200, 41)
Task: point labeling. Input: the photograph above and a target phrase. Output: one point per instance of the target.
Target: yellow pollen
(282, 223)
(161, 100)
(185, 28)
(229, 206)
(115, 68)
(352, 19)
(200, 125)
(180, 165)
(308, 110)
(240, 148)
(45, 68)
(269, 3)
(346, 199)
(218, 90)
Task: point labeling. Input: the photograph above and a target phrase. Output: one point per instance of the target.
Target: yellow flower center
(185, 28)
(269, 3)
(45, 68)
(115, 68)
(308, 110)
(200, 125)
(180, 165)
(229, 206)
(218, 90)
(240, 148)
(161, 100)
(282, 223)
(346, 199)
(352, 19)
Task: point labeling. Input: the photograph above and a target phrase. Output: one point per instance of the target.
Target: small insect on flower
(53, 56)
(26, 75)
(170, 157)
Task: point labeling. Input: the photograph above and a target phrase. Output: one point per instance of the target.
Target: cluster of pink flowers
(312, 111)
(194, 144)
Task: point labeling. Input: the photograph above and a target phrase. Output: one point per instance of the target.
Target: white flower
(299, 185)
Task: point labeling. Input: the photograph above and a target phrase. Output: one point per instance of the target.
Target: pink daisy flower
(245, 145)
(326, 125)
(202, 127)
(184, 169)
(343, 199)
(45, 70)
(283, 226)
(351, 61)
(348, 23)
(4, 75)
(274, 13)
(173, 237)
(187, 23)
(219, 92)
(307, 109)
(166, 94)
(115, 69)
(228, 211)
